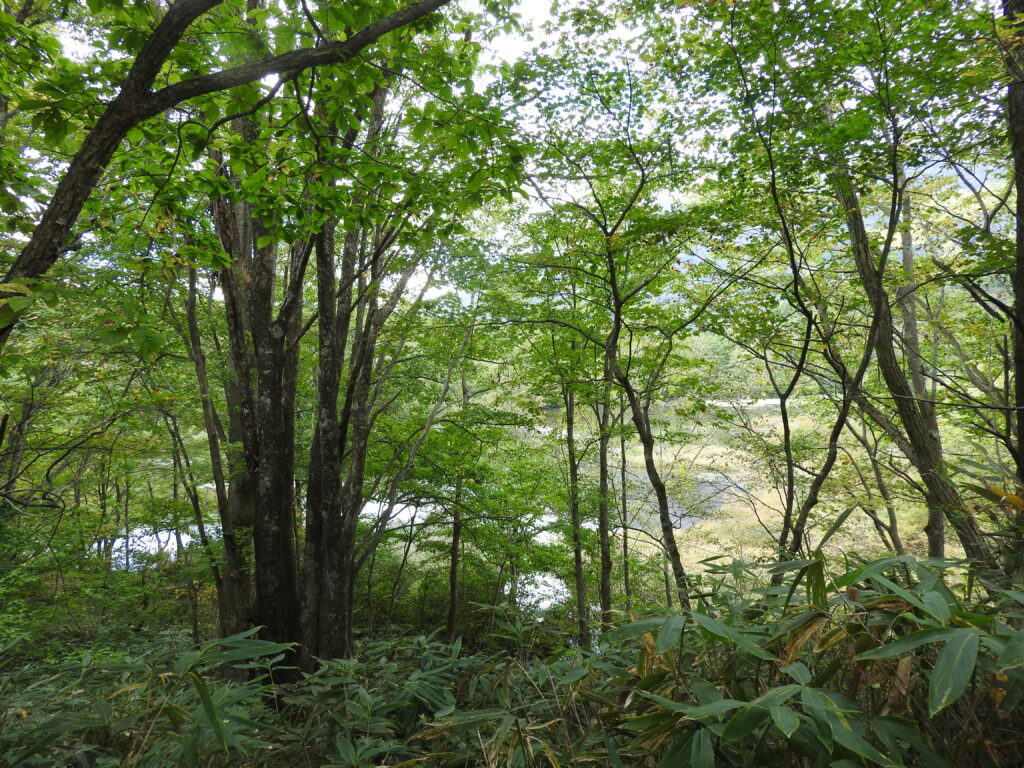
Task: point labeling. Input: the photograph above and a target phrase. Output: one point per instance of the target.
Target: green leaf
(20, 303)
(670, 633)
(845, 736)
(613, 754)
(953, 670)
(908, 643)
(1013, 653)
(247, 651)
(775, 696)
(721, 629)
(785, 719)
(895, 734)
(715, 708)
(702, 754)
(147, 342)
(745, 724)
(676, 754)
(635, 629)
(789, 565)
(836, 525)
(208, 708)
(574, 674)
(799, 672)
(937, 606)
(826, 706)
(113, 336)
(896, 589)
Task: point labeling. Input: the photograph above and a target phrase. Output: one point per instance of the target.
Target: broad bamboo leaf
(209, 709)
(953, 670)
(785, 719)
(721, 629)
(937, 606)
(635, 629)
(702, 753)
(669, 635)
(909, 643)
(1013, 652)
(574, 674)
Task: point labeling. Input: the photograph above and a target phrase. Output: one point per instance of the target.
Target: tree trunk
(603, 412)
(624, 513)
(582, 610)
(263, 352)
(906, 301)
(323, 508)
(920, 424)
(642, 422)
(233, 603)
(1014, 48)
(453, 564)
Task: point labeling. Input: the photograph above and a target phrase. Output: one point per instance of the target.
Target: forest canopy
(458, 383)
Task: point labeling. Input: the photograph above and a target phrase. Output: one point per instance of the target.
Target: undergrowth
(883, 664)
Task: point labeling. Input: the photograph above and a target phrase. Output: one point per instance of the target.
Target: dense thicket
(373, 395)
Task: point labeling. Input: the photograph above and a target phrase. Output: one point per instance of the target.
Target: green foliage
(874, 678)
(683, 160)
(154, 709)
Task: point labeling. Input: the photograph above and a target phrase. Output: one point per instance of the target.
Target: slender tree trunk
(603, 412)
(784, 394)
(627, 587)
(892, 527)
(359, 421)
(183, 474)
(920, 425)
(668, 585)
(906, 301)
(642, 422)
(582, 610)
(323, 517)
(397, 587)
(454, 551)
(233, 602)
(1014, 54)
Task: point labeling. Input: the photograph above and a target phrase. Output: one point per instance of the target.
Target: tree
(136, 101)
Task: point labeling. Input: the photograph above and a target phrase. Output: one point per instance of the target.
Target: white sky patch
(74, 48)
(419, 279)
(533, 15)
(546, 537)
(401, 515)
(542, 591)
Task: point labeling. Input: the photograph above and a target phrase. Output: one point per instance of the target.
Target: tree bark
(1014, 58)
(454, 552)
(920, 425)
(263, 346)
(627, 587)
(234, 596)
(603, 412)
(582, 610)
